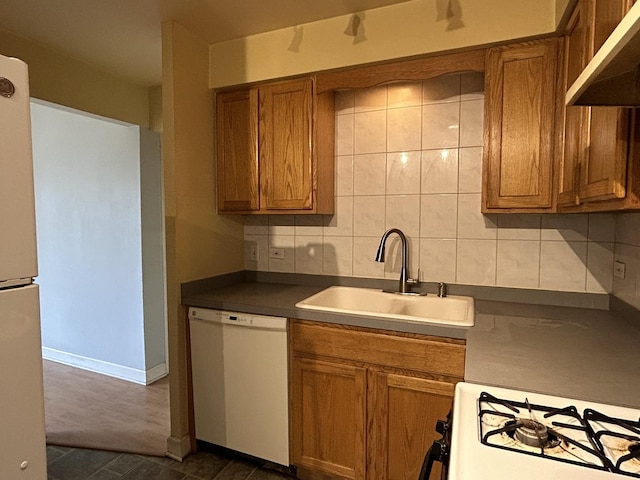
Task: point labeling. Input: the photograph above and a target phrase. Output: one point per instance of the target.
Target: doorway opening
(100, 232)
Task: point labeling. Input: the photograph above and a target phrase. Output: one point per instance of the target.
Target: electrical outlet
(619, 269)
(253, 253)
(276, 253)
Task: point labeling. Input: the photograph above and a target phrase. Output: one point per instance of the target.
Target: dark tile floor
(82, 464)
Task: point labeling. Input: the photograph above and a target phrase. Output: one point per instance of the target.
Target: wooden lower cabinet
(329, 416)
(354, 413)
(403, 412)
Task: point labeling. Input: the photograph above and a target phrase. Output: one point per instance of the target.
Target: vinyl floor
(66, 463)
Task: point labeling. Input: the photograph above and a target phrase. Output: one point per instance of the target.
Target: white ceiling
(123, 36)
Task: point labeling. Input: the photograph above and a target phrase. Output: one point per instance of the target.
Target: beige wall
(69, 82)
(405, 29)
(199, 243)
(563, 8)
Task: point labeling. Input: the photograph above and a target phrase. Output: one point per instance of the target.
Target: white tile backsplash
(309, 254)
(476, 262)
(627, 288)
(337, 256)
(563, 266)
(470, 170)
(472, 223)
(518, 263)
(600, 266)
(440, 125)
(403, 173)
(364, 252)
(519, 227)
(440, 171)
(565, 227)
(345, 125)
(439, 216)
(471, 115)
(602, 227)
(410, 156)
(403, 129)
(403, 212)
(368, 216)
(370, 132)
(369, 174)
(438, 259)
(340, 224)
(344, 176)
(308, 225)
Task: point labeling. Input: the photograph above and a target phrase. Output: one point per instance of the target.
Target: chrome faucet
(405, 281)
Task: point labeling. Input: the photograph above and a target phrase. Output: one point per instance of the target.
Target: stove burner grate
(619, 438)
(560, 427)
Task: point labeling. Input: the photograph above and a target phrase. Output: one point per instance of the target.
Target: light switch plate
(253, 253)
(619, 269)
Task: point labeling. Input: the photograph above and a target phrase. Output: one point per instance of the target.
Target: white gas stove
(505, 434)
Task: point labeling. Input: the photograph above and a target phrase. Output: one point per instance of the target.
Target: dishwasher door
(240, 382)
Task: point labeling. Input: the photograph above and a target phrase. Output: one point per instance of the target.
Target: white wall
(410, 156)
(88, 214)
(153, 264)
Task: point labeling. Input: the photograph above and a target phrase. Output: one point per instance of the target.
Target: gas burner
(557, 434)
(533, 434)
(593, 440)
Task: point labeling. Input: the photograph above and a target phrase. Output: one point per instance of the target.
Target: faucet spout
(404, 273)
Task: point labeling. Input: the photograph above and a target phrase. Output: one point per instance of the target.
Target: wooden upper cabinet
(275, 149)
(594, 173)
(604, 169)
(237, 143)
(521, 126)
(285, 145)
(576, 118)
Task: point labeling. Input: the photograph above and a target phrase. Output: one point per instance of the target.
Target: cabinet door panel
(604, 173)
(237, 150)
(285, 145)
(521, 95)
(329, 415)
(576, 118)
(404, 412)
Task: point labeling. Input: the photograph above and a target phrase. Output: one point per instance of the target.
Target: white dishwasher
(240, 382)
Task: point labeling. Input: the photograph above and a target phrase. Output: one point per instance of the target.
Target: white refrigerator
(22, 431)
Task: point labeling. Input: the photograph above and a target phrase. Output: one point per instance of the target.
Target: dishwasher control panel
(236, 318)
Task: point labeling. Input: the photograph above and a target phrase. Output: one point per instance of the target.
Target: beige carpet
(90, 410)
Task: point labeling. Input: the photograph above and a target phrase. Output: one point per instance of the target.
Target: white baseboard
(156, 373)
(129, 374)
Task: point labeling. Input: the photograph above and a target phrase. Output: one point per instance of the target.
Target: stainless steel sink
(451, 310)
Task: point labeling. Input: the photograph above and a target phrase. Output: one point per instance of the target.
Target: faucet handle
(414, 281)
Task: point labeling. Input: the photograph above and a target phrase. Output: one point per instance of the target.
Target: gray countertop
(571, 352)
